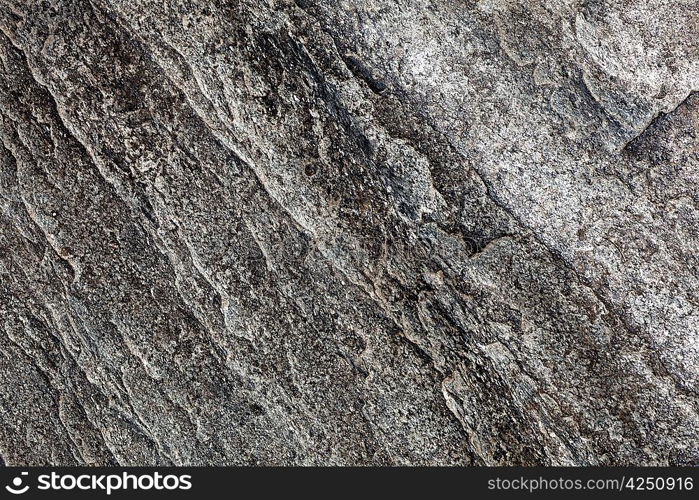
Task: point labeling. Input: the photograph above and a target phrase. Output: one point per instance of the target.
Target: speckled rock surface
(349, 232)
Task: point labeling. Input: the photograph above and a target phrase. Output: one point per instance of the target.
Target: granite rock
(349, 232)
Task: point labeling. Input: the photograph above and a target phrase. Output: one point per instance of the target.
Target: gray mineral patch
(349, 232)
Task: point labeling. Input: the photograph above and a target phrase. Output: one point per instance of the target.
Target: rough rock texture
(349, 232)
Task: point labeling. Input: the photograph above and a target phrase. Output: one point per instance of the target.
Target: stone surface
(349, 232)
